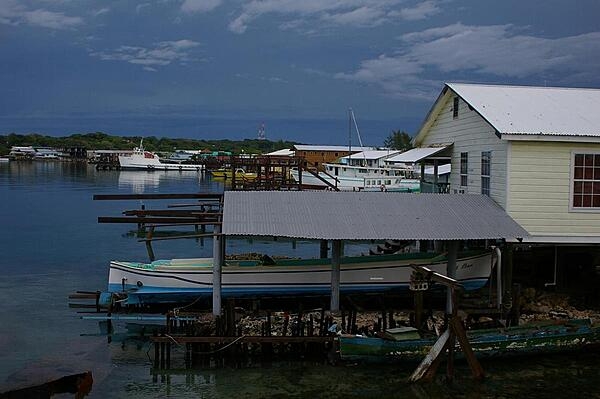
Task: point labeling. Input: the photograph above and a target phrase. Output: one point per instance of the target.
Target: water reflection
(139, 182)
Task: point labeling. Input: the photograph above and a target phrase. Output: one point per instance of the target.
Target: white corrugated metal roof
(535, 110)
(310, 147)
(416, 154)
(373, 154)
(331, 215)
(281, 153)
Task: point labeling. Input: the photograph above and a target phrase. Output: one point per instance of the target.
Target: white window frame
(489, 176)
(572, 182)
(466, 171)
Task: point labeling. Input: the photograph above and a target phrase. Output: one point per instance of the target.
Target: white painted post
(217, 269)
(336, 255)
(451, 271)
(435, 176)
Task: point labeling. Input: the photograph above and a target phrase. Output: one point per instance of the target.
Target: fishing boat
(240, 173)
(140, 159)
(359, 178)
(535, 338)
(182, 280)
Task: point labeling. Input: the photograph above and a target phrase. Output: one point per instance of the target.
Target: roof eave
(550, 137)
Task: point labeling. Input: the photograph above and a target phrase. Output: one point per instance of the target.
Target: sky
(210, 69)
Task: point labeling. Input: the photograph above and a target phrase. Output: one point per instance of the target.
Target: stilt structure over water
(323, 216)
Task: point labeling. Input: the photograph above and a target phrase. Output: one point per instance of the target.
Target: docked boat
(535, 338)
(184, 280)
(240, 173)
(359, 178)
(141, 159)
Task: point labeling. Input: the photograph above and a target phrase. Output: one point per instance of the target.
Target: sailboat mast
(349, 135)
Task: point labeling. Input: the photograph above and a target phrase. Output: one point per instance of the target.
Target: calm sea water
(51, 246)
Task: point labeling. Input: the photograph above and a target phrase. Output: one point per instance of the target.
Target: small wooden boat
(183, 280)
(535, 338)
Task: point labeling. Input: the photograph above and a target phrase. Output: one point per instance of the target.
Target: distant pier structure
(269, 172)
(107, 159)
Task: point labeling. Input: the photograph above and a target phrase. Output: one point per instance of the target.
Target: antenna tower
(261, 132)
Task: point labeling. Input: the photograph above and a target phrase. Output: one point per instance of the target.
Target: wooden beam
(113, 197)
(154, 220)
(428, 366)
(169, 212)
(176, 237)
(218, 260)
(249, 339)
(336, 255)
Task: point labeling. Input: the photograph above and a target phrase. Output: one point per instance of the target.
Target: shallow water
(51, 245)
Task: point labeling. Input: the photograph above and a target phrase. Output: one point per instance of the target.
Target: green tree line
(103, 141)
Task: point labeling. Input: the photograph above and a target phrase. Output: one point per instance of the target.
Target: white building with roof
(534, 150)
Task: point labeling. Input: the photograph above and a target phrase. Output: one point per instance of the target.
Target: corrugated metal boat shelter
(329, 215)
(339, 216)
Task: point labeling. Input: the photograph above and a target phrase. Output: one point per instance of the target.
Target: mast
(349, 135)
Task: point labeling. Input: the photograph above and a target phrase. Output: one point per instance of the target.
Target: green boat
(535, 338)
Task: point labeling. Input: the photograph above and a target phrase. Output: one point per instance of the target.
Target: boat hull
(185, 279)
(533, 339)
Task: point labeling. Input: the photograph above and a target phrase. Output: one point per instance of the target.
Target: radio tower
(261, 132)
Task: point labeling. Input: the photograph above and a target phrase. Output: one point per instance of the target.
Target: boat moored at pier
(141, 159)
(185, 280)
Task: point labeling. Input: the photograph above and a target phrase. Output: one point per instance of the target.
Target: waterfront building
(534, 150)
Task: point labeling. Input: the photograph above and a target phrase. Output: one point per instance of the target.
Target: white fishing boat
(359, 178)
(182, 280)
(141, 159)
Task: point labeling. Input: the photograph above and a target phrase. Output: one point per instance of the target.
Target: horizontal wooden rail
(177, 237)
(169, 212)
(154, 220)
(248, 339)
(203, 196)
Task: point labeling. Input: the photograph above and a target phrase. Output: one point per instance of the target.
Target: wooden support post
(217, 269)
(451, 272)
(461, 335)
(149, 244)
(156, 352)
(418, 309)
(427, 368)
(323, 249)
(435, 176)
(336, 254)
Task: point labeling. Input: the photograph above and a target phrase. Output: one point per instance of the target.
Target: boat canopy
(331, 215)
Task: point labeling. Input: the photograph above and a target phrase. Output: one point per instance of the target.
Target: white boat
(185, 280)
(359, 178)
(4, 160)
(141, 159)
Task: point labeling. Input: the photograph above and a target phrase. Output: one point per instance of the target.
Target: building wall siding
(540, 177)
(469, 133)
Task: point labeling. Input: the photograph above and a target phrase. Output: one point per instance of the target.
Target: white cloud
(419, 11)
(351, 13)
(163, 53)
(14, 13)
(199, 6)
(101, 11)
(363, 16)
(52, 20)
(140, 7)
(490, 51)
